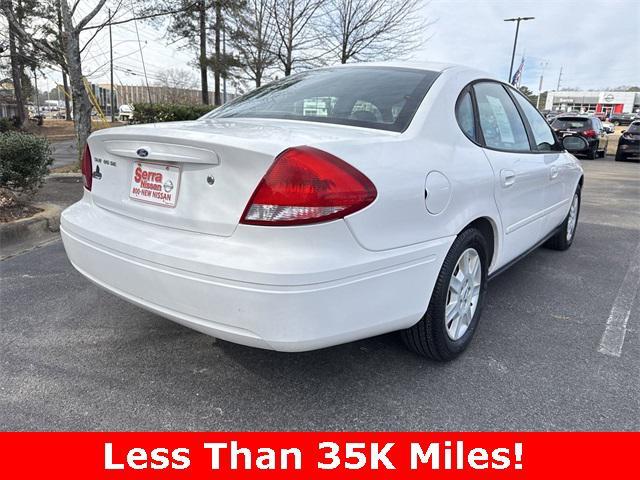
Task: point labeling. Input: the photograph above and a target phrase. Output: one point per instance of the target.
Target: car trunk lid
(199, 175)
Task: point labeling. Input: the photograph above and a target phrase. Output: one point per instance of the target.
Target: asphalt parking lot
(73, 357)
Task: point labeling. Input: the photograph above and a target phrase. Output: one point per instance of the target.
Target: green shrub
(7, 124)
(24, 161)
(167, 112)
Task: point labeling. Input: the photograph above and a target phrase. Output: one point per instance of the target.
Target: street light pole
(515, 40)
(543, 65)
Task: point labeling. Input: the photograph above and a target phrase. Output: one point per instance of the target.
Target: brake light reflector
(307, 185)
(590, 133)
(86, 167)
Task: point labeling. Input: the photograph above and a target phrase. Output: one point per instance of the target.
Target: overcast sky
(597, 42)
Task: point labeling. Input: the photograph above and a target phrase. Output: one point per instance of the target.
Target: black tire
(560, 240)
(620, 157)
(429, 336)
(593, 152)
(603, 153)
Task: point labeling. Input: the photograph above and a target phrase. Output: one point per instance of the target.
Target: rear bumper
(629, 148)
(310, 288)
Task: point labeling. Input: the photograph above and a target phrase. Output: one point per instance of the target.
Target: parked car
(588, 127)
(552, 115)
(274, 223)
(125, 112)
(37, 119)
(608, 127)
(622, 118)
(629, 143)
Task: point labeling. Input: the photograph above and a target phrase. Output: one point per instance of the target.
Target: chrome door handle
(508, 177)
(553, 172)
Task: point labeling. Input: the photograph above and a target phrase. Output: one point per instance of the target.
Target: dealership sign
(616, 97)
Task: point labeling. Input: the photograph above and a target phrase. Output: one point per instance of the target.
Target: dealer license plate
(155, 183)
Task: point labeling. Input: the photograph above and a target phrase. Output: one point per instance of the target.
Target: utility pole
(515, 40)
(35, 84)
(544, 65)
(559, 79)
(113, 117)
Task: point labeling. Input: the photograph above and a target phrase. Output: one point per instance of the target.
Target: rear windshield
(384, 98)
(575, 123)
(634, 127)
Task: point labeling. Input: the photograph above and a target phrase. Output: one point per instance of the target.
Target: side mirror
(574, 143)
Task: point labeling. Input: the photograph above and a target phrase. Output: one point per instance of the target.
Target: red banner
(322, 456)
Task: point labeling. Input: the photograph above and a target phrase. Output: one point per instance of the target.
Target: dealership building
(609, 102)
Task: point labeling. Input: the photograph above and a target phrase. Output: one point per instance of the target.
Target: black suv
(629, 144)
(588, 127)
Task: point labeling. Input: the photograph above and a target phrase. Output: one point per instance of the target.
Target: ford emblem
(142, 152)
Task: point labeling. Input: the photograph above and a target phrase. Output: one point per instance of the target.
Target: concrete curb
(29, 231)
(63, 175)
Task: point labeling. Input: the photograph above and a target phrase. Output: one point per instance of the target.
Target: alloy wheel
(573, 217)
(464, 294)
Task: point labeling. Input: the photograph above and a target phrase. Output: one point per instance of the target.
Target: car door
(560, 181)
(520, 176)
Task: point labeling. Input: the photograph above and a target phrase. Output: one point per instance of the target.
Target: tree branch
(5, 6)
(82, 23)
(98, 30)
(143, 17)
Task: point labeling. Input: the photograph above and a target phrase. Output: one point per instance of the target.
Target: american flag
(517, 76)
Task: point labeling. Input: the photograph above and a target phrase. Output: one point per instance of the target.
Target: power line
(144, 68)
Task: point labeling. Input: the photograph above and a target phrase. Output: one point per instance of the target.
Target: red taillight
(87, 167)
(590, 133)
(307, 185)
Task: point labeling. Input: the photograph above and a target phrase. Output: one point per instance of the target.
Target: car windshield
(575, 123)
(634, 127)
(383, 98)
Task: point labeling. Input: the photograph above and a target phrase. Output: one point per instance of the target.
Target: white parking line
(614, 333)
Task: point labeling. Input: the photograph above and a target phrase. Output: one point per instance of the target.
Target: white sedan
(329, 206)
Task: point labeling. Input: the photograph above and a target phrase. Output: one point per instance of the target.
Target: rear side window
(576, 123)
(464, 114)
(634, 127)
(542, 133)
(500, 121)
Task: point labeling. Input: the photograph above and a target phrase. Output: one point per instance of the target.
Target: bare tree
(16, 78)
(298, 41)
(70, 51)
(225, 12)
(65, 48)
(255, 37)
(374, 29)
(177, 84)
(190, 24)
(20, 58)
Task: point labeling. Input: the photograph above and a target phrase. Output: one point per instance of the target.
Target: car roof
(469, 73)
(575, 115)
(432, 66)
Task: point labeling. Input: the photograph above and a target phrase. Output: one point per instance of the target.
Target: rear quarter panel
(399, 166)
